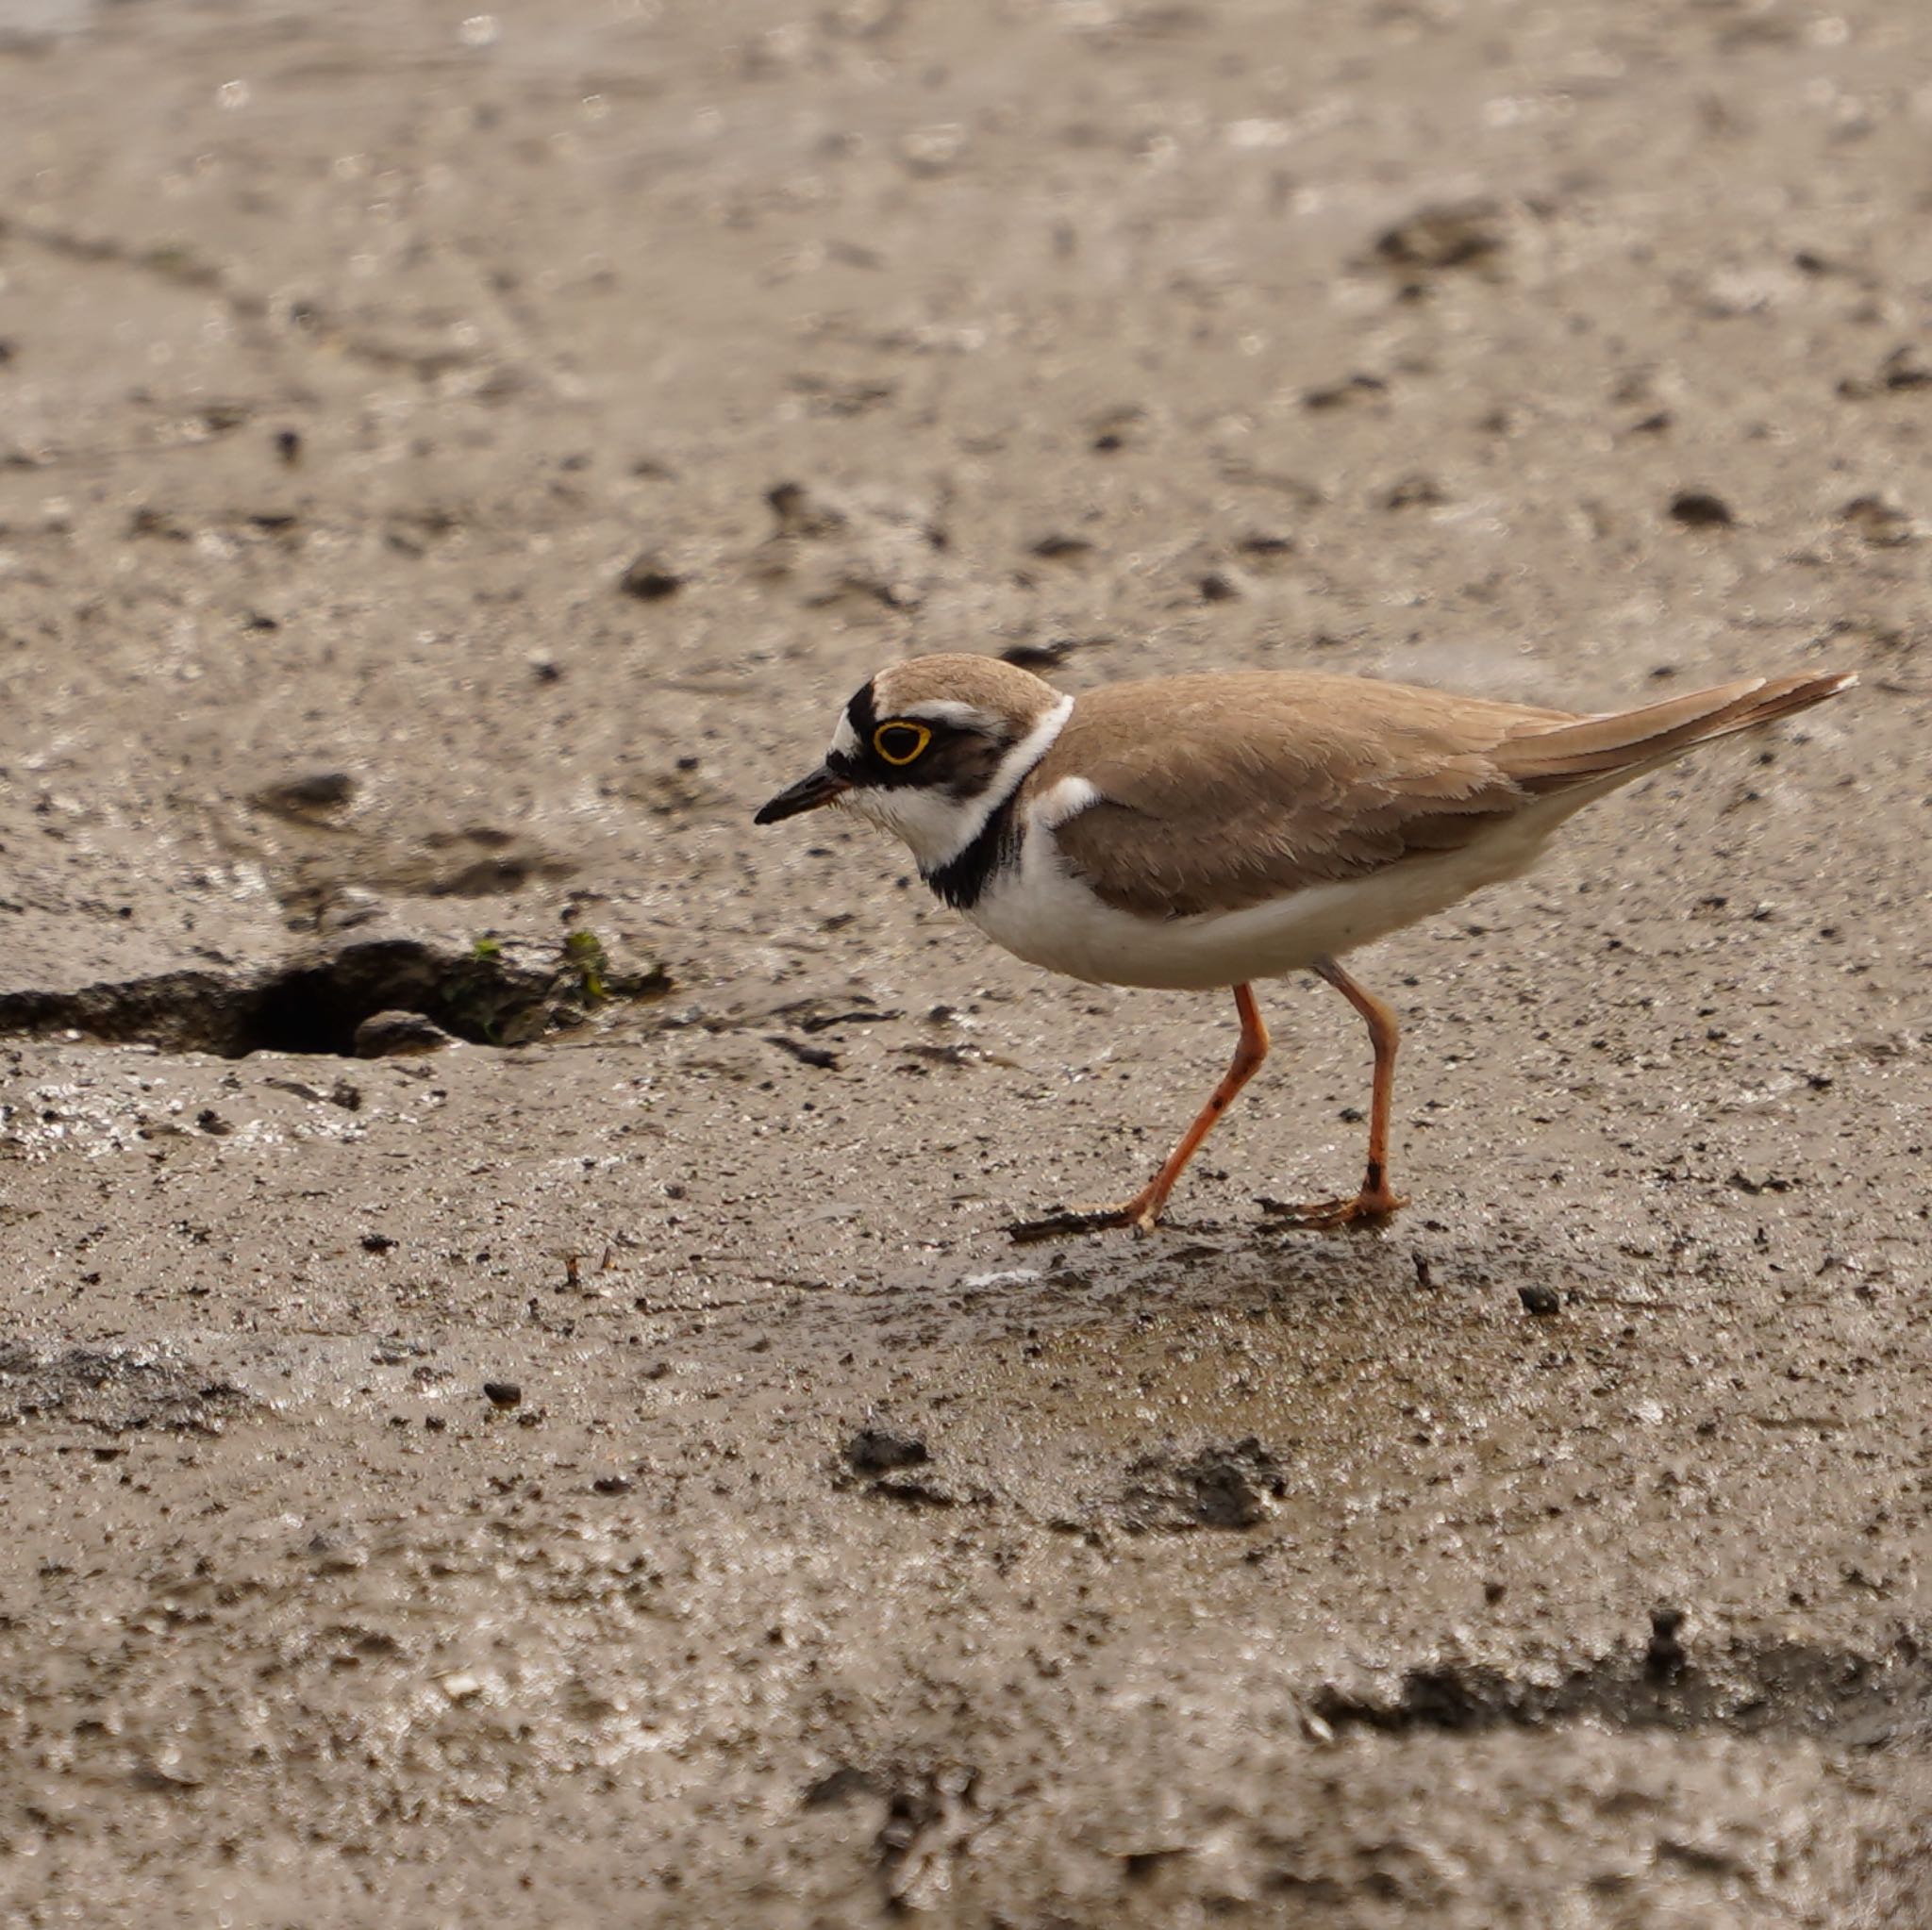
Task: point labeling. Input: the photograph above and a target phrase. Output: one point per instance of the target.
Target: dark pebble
(1701, 509)
(1057, 547)
(1338, 395)
(821, 1057)
(1905, 368)
(1413, 493)
(310, 794)
(1454, 234)
(398, 1035)
(149, 521)
(650, 579)
(1540, 1301)
(1266, 545)
(1037, 656)
(1880, 522)
(502, 1393)
(1664, 1657)
(879, 1450)
(800, 513)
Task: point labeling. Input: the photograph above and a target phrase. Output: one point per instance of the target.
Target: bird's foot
(1063, 1222)
(1367, 1209)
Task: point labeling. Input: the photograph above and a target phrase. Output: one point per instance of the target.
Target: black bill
(808, 794)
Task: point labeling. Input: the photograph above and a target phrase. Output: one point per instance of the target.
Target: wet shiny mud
(517, 1399)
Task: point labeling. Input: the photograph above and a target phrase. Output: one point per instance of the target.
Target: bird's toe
(1321, 1216)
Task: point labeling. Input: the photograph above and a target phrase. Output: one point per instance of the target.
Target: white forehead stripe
(844, 740)
(962, 716)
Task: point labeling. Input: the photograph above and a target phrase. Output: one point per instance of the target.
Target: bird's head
(930, 749)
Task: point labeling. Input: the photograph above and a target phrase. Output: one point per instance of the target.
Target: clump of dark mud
(1220, 1486)
(115, 1390)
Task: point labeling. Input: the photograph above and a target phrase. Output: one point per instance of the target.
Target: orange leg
(1143, 1210)
(1375, 1201)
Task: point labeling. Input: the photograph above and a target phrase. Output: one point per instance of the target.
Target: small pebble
(307, 794)
(1447, 235)
(399, 1035)
(1540, 1301)
(877, 1450)
(1058, 545)
(1701, 509)
(1906, 367)
(1664, 1657)
(1037, 657)
(502, 1393)
(650, 579)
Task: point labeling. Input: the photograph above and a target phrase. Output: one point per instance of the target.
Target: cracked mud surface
(613, 1467)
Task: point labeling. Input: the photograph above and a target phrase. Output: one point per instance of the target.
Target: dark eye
(899, 743)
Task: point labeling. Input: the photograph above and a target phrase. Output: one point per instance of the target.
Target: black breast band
(962, 880)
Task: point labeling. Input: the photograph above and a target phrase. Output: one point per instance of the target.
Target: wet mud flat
(516, 1398)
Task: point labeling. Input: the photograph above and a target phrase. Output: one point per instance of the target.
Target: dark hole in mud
(318, 1009)
(504, 995)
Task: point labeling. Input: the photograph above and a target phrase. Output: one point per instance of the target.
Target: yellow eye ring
(900, 742)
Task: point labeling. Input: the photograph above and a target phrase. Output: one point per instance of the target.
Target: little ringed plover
(1208, 830)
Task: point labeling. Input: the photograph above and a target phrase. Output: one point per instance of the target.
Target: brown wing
(1220, 791)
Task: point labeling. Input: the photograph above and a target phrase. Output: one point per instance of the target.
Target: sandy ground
(390, 560)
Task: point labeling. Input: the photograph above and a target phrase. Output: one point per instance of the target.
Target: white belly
(1042, 914)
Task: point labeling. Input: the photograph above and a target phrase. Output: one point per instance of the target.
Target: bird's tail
(1601, 752)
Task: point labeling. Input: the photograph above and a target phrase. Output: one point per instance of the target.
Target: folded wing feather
(1217, 792)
